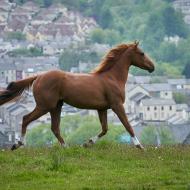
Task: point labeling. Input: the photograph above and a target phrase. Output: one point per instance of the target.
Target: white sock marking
(22, 139)
(94, 139)
(135, 141)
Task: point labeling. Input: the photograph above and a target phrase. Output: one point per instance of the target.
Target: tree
(98, 36)
(32, 52)
(68, 59)
(173, 22)
(16, 36)
(106, 18)
(180, 98)
(48, 3)
(186, 71)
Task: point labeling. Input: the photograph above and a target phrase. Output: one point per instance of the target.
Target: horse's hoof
(85, 145)
(20, 143)
(88, 144)
(14, 147)
(139, 146)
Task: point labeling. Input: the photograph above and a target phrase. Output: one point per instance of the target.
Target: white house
(156, 109)
(134, 94)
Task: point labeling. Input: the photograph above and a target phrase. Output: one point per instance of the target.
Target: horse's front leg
(103, 120)
(120, 112)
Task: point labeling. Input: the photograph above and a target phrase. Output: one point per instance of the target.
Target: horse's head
(139, 58)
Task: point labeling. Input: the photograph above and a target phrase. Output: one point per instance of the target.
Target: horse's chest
(117, 94)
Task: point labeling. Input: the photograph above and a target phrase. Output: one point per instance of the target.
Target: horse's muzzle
(151, 70)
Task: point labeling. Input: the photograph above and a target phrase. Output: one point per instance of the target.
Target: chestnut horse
(102, 89)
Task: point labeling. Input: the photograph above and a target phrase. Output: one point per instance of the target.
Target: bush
(16, 36)
(32, 52)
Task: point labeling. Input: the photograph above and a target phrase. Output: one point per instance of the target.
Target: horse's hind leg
(103, 120)
(55, 122)
(35, 114)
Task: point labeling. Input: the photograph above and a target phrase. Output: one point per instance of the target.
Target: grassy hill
(103, 166)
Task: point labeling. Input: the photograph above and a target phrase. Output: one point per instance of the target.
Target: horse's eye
(142, 53)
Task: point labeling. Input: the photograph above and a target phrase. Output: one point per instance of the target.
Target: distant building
(159, 90)
(8, 71)
(179, 84)
(156, 109)
(184, 6)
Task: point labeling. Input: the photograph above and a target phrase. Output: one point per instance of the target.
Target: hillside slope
(103, 166)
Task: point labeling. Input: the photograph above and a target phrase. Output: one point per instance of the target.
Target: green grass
(103, 166)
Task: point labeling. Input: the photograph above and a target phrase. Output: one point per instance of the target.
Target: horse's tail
(15, 89)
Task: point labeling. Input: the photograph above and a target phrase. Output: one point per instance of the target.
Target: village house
(157, 109)
(181, 116)
(7, 139)
(134, 95)
(184, 7)
(180, 85)
(160, 90)
(5, 9)
(8, 71)
(142, 79)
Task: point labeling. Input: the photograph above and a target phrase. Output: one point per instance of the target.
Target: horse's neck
(120, 72)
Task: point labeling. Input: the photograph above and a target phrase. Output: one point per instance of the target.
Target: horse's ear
(136, 43)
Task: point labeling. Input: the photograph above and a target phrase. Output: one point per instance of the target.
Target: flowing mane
(110, 59)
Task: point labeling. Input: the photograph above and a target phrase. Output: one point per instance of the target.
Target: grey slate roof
(7, 65)
(157, 101)
(178, 81)
(139, 96)
(157, 87)
(180, 107)
(142, 79)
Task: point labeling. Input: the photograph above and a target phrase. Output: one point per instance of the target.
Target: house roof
(142, 79)
(17, 24)
(2, 135)
(29, 5)
(6, 65)
(18, 111)
(157, 101)
(130, 87)
(138, 97)
(176, 120)
(180, 107)
(157, 87)
(178, 81)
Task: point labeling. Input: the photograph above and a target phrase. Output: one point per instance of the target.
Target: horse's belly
(87, 104)
(86, 101)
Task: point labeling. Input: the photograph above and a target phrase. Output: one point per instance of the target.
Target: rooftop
(157, 87)
(157, 101)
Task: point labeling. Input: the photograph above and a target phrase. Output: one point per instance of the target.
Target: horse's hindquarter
(84, 91)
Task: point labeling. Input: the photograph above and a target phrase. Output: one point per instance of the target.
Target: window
(148, 108)
(166, 93)
(155, 108)
(170, 107)
(162, 108)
